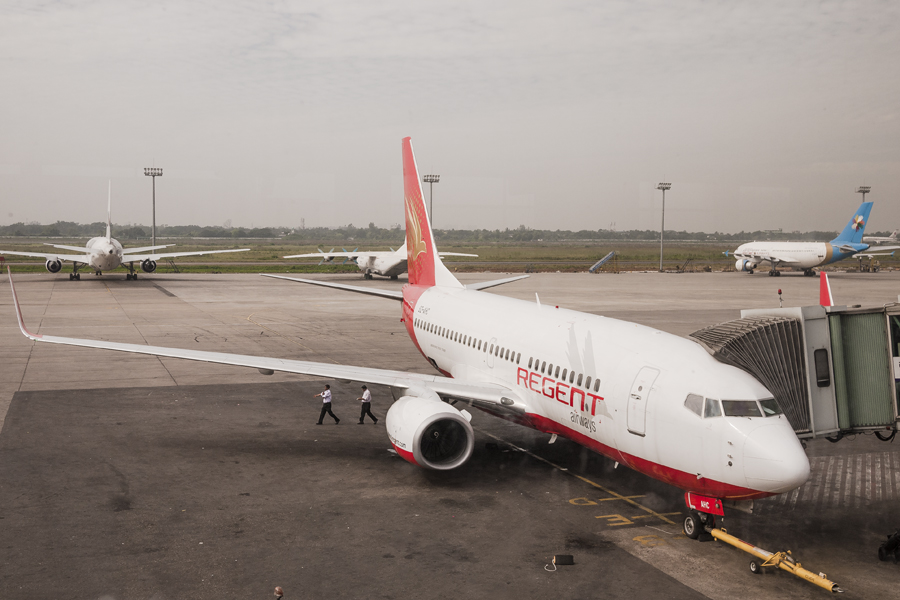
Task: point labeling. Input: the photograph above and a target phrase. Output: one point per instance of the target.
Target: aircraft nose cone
(774, 460)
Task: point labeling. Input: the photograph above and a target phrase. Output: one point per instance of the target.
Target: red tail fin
(825, 298)
(423, 263)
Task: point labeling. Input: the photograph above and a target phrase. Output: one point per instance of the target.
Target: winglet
(825, 298)
(25, 331)
(109, 212)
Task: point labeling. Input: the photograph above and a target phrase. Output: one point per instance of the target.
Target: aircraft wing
(330, 255)
(443, 254)
(485, 394)
(141, 257)
(81, 258)
(146, 248)
(766, 258)
(84, 249)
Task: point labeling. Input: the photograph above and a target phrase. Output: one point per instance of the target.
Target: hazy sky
(763, 115)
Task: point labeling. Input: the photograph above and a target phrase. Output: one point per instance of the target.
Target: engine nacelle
(148, 266)
(743, 264)
(53, 266)
(430, 433)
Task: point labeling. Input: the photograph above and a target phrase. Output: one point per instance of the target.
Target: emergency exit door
(638, 399)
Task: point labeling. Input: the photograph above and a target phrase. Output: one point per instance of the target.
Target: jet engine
(430, 433)
(743, 264)
(148, 266)
(53, 266)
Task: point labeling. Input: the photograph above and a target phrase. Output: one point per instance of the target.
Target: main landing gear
(809, 272)
(74, 275)
(774, 273)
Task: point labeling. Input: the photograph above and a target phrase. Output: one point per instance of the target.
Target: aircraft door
(638, 399)
(489, 355)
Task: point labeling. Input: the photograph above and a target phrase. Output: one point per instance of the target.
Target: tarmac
(126, 476)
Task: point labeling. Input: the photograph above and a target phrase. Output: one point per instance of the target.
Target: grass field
(266, 255)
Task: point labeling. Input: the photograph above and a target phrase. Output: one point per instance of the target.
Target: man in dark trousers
(366, 400)
(326, 405)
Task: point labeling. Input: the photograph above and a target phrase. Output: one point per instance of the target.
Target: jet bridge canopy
(833, 371)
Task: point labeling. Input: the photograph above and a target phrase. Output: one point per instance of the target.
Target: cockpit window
(712, 408)
(741, 408)
(694, 403)
(770, 407)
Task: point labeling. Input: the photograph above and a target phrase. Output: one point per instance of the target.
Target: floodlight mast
(431, 180)
(662, 227)
(153, 172)
(864, 189)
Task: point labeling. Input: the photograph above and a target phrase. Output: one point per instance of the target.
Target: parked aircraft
(655, 402)
(874, 239)
(106, 253)
(805, 256)
(387, 264)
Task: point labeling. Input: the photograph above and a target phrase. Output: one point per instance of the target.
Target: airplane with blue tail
(806, 256)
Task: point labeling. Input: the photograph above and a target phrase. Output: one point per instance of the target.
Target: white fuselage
(386, 264)
(106, 253)
(636, 415)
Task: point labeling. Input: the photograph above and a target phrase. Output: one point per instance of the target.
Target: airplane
(387, 264)
(652, 401)
(105, 253)
(874, 239)
(805, 256)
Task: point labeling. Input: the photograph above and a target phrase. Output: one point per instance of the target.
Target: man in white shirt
(326, 405)
(366, 400)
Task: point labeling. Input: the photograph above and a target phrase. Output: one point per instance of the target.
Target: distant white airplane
(655, 402)
(387, 264)
(874, 239)
(106, 253)
(805, 256)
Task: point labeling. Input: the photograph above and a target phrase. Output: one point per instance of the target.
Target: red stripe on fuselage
(685, 481)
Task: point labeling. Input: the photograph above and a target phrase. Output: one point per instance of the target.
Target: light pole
(153, 172)
(431, 180)
(662, 227)
(864, 189)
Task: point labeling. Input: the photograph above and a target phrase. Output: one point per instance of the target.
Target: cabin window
(770, 407)
(741, 408)
(530, 361)
(579, 380)
(557, 372)
(497, 351)
(479, 344)
(596, 385)
(587, 383)
(694, 403)
(507, 354)
(712, 408)
(565, 372)
(572, 377)
(543, 367)
(518, 357)
(550, 370)
(492, 349)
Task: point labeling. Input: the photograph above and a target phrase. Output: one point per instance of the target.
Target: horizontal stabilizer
(393, 295)
(489, 284)
(84, 249)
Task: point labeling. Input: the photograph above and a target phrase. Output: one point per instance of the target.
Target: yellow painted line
(622, 498)
(616, 496)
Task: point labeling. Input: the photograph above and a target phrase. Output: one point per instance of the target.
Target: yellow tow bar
(782, 560)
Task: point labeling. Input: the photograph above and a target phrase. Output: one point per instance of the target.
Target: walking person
(326, 405)
(366, 400)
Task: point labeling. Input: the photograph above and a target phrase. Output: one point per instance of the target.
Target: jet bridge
(833, 370)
